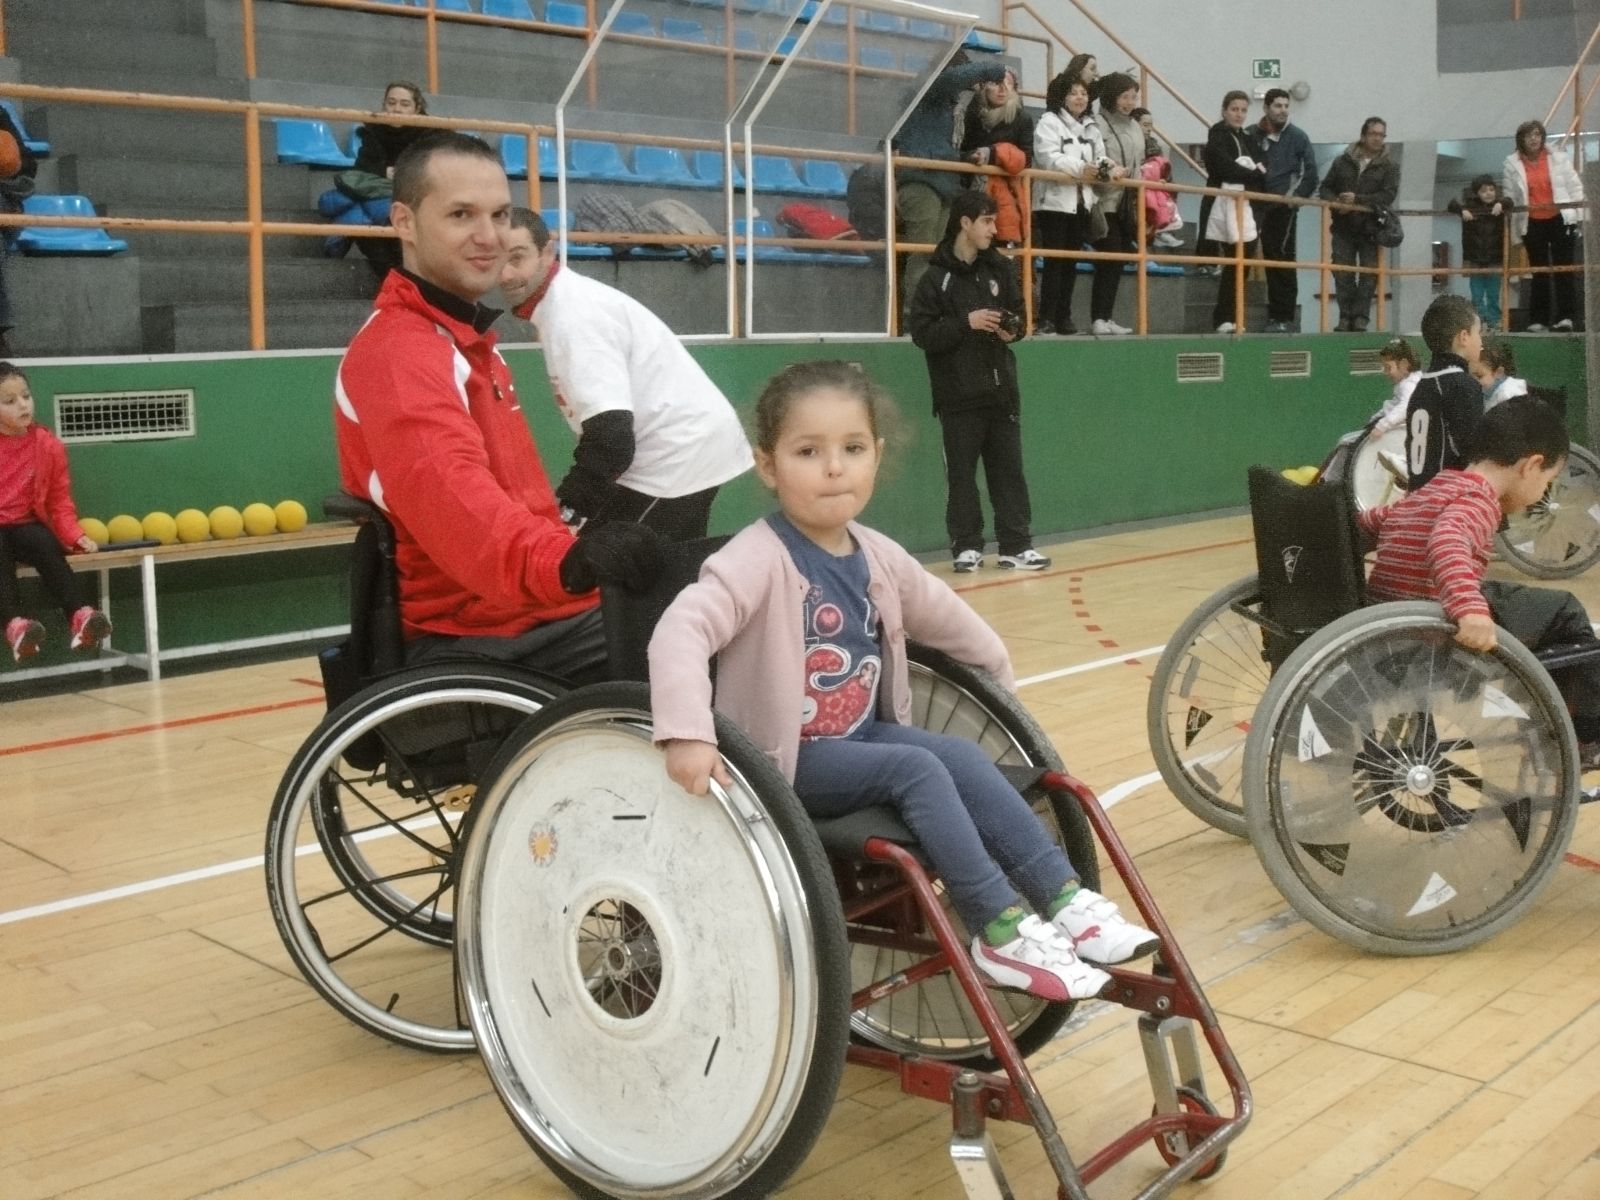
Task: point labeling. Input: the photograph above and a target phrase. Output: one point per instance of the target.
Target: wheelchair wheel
(1407, 795)
(1202, 697)
(1559, 537)
(363, 838)
(1377, 472)
(658, 982)
(933, 1018)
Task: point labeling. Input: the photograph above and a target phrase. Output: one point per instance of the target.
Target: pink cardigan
(746, 612)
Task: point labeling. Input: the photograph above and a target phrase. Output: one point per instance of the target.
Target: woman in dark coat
(1231, 163)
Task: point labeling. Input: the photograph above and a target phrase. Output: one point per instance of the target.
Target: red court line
(1578, 860)
(1119, 562)
(178, 723)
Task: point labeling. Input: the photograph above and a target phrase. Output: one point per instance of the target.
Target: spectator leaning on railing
(1230, 164)
(1538, 181)
(999, 133)
(1124, 147)
(1363, 174)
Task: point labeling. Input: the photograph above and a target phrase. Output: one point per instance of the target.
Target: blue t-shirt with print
(843, 657)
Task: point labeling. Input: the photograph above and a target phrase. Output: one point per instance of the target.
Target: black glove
(612, 552)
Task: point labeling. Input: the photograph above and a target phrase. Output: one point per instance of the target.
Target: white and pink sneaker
(24, 635)
(1041, 962)
(1099, 932)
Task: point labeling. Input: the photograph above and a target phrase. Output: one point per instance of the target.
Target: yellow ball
(95, 529)
(259, 519)
(123, 528)
(226, 522)
(291, 516)
(160, 527)
(193, 525)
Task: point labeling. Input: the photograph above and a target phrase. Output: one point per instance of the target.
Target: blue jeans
(982, 837)
(1486, 296)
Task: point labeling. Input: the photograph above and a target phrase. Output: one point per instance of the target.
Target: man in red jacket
(429, 429)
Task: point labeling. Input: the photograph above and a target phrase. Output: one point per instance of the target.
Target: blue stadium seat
(559, 221)
(708, 169)
(516, 10)
(58, 240)
(786, 45)
(549, 163)
(764, 228)
(514, 156)
(557, 12)
(664, 165)
(823, 178)
(918, 27)
(679, 29)
(37, 147)
(598, 160)
(745, 38)
(774, 174)
(880, 57)
(636, 23)
(808, 12)
(451, 5)
(990, 42)
(309, 143)
(829, 51)
(880, 22)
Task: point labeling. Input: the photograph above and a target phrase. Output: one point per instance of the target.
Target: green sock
(1003, 928)
(1064, 897)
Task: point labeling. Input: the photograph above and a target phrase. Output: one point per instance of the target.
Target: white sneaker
(1028, 560)
(1119, 330)
(1166, 241)
(1227, 327)
(1536, 327)
(1563, 326)
(1099, 931)
(1041, 962)
(1102, 329)
(967, 561)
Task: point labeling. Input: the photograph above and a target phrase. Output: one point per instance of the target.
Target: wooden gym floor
(155, 1040)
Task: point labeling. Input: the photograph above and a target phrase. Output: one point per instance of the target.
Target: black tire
(1559, 537)
(1406, 795)
(1206, 685)
(758, 1173)
(388, 842)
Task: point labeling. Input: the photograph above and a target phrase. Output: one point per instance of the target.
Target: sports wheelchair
(1406, 795)
(665, 988)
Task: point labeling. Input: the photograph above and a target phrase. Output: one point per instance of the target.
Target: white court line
(1119, 792)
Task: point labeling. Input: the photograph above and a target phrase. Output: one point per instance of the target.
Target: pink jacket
(746, 611)
(50, 487)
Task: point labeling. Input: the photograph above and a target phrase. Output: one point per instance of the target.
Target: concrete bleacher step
(96, 131)
(49, 73)
(302, 325)
(171, 16)
(101, 46)
(119, 183)
(198, 280)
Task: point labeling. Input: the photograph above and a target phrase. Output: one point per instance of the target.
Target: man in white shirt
(656, 439)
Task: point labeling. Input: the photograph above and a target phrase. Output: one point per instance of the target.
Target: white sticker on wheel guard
(1437, 892)
(1312, 743)
(1497, 704)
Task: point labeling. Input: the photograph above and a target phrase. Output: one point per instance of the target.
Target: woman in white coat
(1538, 181)
(1066, 139)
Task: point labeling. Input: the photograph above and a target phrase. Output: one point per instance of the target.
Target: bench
(147, 558)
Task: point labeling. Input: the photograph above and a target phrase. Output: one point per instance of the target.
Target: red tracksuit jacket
(48, 490)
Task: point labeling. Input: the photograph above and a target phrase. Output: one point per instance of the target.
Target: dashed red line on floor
(1578, 860)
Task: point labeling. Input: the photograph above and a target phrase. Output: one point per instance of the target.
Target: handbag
(1383, 226)
(1223, 225)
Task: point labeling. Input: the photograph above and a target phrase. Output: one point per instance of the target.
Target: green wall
(1110, 436)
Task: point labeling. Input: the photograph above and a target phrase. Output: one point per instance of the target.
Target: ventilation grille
(1365, 362)
(125, 416)
(1289, 364)
(1199, 368)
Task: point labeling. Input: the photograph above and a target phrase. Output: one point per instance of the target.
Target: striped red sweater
(1434, 544)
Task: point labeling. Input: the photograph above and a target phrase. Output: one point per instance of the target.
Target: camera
(1011, 323)
(1102, 170)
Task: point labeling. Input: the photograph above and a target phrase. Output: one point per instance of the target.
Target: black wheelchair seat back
(1555, 397)
(1308, 558)
(630, 617)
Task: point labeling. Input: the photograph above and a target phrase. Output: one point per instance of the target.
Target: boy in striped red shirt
(1434, 545)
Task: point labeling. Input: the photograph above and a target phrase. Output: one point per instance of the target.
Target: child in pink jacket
(807, 614)
(37, 523)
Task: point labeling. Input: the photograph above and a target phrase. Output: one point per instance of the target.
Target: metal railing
(1580, 99)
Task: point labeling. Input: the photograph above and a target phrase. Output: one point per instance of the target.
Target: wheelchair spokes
(1559, 537)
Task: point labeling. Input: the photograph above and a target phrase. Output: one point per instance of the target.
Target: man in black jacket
(1364, 174)
(965, 312)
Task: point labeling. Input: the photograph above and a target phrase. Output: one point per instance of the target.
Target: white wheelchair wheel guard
(657, 981)
(934, 1017)
(1559, 537)
(1407, 795)
(1377, 473)
(361, 859)
(1203, 696)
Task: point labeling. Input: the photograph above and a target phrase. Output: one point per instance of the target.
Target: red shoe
(24, 636)
(90, 627)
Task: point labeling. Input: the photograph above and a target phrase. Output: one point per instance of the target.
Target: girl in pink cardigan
(37, 523)
(807, 614)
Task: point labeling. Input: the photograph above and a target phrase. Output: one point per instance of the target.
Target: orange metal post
(432, 24)
(2, 27)
(247, 14)
(1238, 264)
(1505, 277)
(892, 236)
(534, 186)
(1141, 320)
(1326, 215)
(1381, 285)
(257, 249)
(1027, 252)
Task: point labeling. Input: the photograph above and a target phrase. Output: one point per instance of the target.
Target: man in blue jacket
(1291, 170)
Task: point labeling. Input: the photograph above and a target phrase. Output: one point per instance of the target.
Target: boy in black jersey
(1447, 403)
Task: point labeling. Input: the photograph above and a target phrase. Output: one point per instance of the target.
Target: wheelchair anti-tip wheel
(934, 1018)
(1377, 472)
(658, 982)
(1559, 537)
(363, 838)
(1203, 696)
(1407, 795)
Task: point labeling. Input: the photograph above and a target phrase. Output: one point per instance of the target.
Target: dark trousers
(1543, 617)
(1551, 298)
(1228, 282)
(1059, 231)
(994, 436)
(1354, 292)
(573, 649)
(677, 519)
(1277, 225)
(1108, 275)
(982, 837)
(35, 546)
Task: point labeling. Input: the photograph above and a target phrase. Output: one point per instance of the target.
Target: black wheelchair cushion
(630, 616)
(845, 837)
(1308, 557)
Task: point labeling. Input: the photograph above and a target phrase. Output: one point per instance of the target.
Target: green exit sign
(1267, 68)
